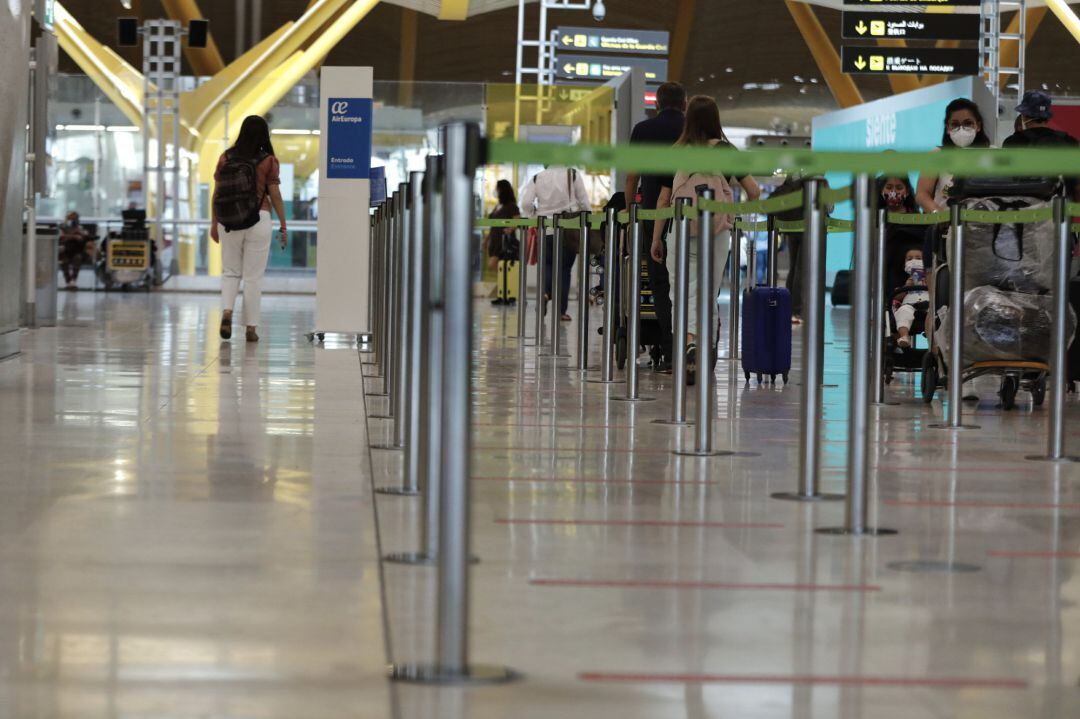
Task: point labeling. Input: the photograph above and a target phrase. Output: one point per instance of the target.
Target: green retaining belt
(832, 197)
(515, 222)
(660, 159)
(1010, 217)
(914, 218)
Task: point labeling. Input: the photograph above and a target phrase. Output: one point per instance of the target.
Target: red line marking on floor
(852, 680)
(736, 586)
(639, 523)
(979, 505)
(592, 480)
(1034, 555)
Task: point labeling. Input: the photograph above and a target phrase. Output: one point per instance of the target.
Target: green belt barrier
(1072, 208)
(914, 218)
(841, 225)
(668, 213)
(832, 197)
(624, 217)
(1011, 217)
(515, 222)
(570, 223)
(661, 159)
(759, 226)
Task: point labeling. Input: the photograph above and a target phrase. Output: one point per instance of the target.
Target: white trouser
(904, 316)
(244, 254)
(721, 248)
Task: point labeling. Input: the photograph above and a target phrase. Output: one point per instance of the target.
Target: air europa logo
(339, 108)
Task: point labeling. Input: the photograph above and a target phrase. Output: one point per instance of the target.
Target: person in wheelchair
(907, 306)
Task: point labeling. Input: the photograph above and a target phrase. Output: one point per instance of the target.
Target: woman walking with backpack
(702, 129)
(246, 184)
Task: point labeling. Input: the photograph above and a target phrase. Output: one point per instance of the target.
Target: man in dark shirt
(663, 129)
(1033, 130)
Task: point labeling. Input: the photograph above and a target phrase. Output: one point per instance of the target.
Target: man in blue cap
(1033, 130)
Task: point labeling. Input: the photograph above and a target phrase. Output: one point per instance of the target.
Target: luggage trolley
(1004, 280)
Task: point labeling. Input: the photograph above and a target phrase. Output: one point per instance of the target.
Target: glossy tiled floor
(188, 532)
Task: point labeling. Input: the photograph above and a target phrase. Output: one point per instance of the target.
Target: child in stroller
(911, 301)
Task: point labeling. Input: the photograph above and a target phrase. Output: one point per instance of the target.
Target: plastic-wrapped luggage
(1005, 326)
(1014, 257)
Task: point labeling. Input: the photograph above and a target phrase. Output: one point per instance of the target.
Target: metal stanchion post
(955, 369)
(407, 414)
(1059, 338)
(633, 311)
(390, 270)
(401, 347)
(679, 326)
(541, 248)
(877, 313)
(735, 304)
(397, 362)
(583, 296)
(556, 291)
(365, 338)
(523, 284)
(813, 254)
(374, 287)
(451, 663)
(856, 509)
(706, 346)
(607, 354)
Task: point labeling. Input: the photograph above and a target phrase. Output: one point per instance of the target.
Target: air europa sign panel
(348, 138)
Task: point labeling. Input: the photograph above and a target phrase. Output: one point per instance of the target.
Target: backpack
(237, 202)
(687, 186)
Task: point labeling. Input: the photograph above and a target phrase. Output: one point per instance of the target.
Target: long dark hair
(702, 122)
(505, 192)
(254, 138)
(957, 105)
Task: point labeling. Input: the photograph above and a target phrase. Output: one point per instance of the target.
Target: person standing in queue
(1033, 130)
(246, 184)
(702, 129)
(963, 128)
(555, 192)
(664, 129)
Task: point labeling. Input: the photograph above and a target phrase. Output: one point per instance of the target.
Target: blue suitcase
(766, 332)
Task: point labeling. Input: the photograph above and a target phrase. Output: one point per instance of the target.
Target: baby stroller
(1007, 277)
(899, 240)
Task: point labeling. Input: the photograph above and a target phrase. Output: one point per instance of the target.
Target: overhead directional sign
(603, 68)
(613, 40)
(910, 60)
(909, 26)
(935, 3)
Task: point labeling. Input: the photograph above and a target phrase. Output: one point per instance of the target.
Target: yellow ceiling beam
(204, 60)
(828, 60)
(680, 39)
(454, 10)
(410, 22)
(1066, 15)
(120, 82)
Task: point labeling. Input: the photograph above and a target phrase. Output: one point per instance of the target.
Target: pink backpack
(686, 186)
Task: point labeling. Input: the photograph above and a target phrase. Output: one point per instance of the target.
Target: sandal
(251, 336)
(226, 328)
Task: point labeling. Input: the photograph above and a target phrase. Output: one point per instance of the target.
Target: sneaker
(565, 318)
(903, 342)
(251, 336)
(691, 365)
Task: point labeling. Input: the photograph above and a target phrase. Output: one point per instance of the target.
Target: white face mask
(962, 136)
(911, 265)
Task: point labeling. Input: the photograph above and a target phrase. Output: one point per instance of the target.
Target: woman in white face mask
(963, 128)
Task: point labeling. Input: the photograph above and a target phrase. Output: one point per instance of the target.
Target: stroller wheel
(1038, 392)
(1009, 386)
(929, 378)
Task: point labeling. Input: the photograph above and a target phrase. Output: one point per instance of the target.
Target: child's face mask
(913, 265)
(894, 198)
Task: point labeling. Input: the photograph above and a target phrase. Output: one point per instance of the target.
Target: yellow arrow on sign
(860, 63)
(567, 39)
(569, 69)
(861, 28)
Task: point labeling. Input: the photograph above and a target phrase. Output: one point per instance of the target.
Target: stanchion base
(673, 422)
(942, 425)
(933, 566)
(886, 404)
(381, 415)
(866, 532)
(634, 399)
(1045, 458)
(549, 355)
(798, 497)
(606, 381)
(387, 445)
(434, 674)
(704, 452)
(398, 491)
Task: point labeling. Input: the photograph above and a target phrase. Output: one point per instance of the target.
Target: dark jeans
(566, 272)
(795, 273)
(71, 259)
(660, 284)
